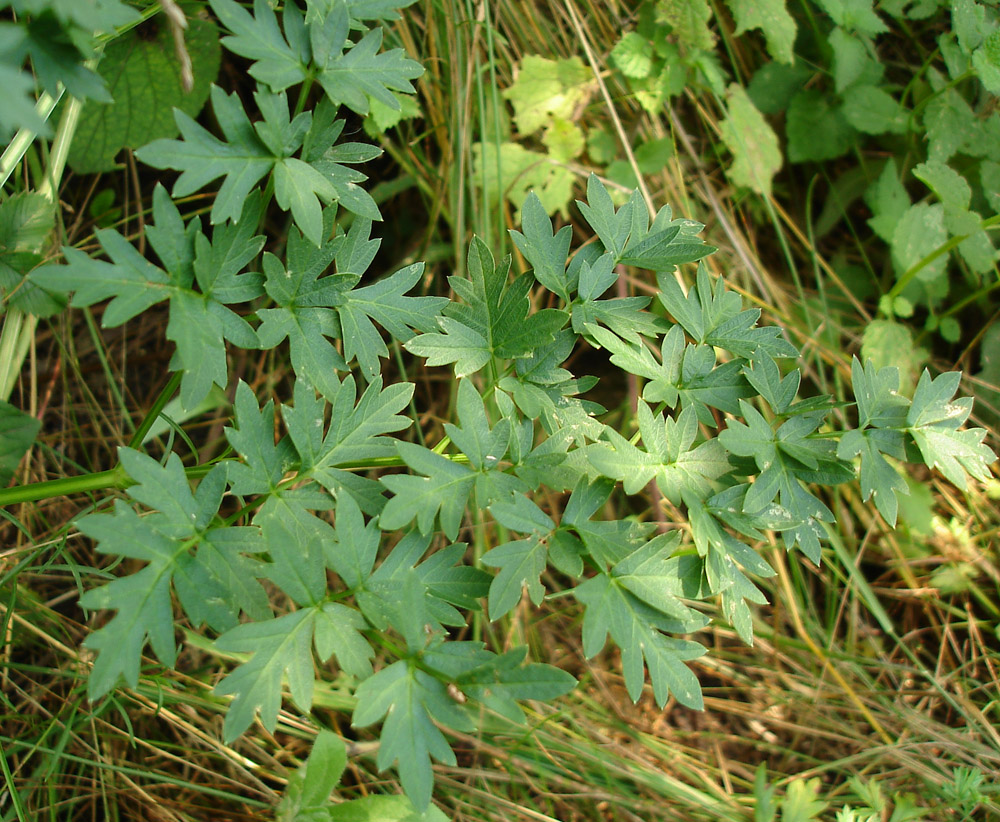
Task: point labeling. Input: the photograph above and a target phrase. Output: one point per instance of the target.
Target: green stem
(154, 412)
(116, 478)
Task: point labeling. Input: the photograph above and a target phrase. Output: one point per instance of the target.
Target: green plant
(898, 102)
(358, 529)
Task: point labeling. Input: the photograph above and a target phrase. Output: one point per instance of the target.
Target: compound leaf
(547, 252)
(242, 159)
(714, 316)
(492, 322)
(354, 433)
(411, 702)
(258, 38)
(636, 628)
(386, 303)
(933, 421)
(279, 646)
(669, 457)
(180, 541)
(441, 494)
(199, 321)
(521, 564)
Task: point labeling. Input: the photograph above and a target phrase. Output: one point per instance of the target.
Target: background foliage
(866, 686)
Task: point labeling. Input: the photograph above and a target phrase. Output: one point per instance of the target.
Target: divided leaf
(411, 702)
(933, 421)
(492, 322)
(208, 563)
(637, 628)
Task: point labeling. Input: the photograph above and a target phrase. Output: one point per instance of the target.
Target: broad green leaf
(951, 188)
(888, 343)
(800, 801)
(142, 599)
(448, 484)
(763, 375)
(253, 438)
(752, 142)
(17, 433)
(689, 20)
(100, 16)
(888, 200)
(483, 444)
(919, 232)
(877, 393)
(380, 808)
(986, 60)
(411, 702)
(951, 126)
(774, 84)
(547, 89)
(511, 171)
(854, 61)
(855, 16)
(968, 19)
(144, 78)
(309, 788)
(634, 55)
(816, 130)
(773, 19)
(873, 110)
(27, 219)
